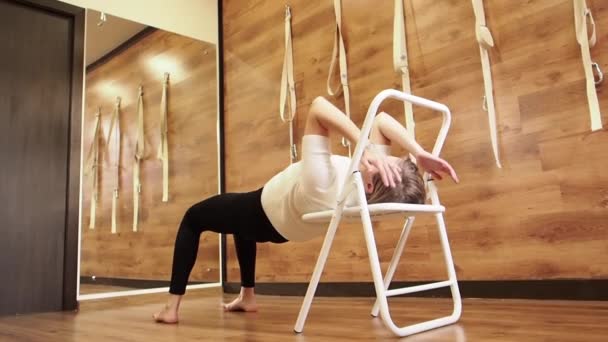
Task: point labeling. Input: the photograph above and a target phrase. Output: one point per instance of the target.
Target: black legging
(240, 214)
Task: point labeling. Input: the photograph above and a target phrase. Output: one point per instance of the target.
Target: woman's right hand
(435, 166)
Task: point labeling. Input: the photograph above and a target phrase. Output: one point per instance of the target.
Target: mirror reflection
(150, 152)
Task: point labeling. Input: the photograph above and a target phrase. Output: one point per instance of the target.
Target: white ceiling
(102, 39)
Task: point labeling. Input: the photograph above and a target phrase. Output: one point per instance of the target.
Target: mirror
(127, 236)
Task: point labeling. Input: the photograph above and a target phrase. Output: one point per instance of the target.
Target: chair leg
(379, 284)
(447, 255)
(316, 275)
(449, 262)
(381, 293)
(372, 252)
(405, 232)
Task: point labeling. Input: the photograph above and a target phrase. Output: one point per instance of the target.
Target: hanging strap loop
(92, 167)
(139, 155)
(593, 74)
(589, 18)
(339, 55)
(486, 41)
(288, 87)
(114, 140)
(484, 37)
(401, 65)
(597, 71)
(163, 146)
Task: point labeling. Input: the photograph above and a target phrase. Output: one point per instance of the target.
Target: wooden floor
(346, 319)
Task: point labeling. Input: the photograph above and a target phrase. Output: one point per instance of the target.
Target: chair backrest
(369, 121)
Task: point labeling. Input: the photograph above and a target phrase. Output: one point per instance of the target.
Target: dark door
(36, 178)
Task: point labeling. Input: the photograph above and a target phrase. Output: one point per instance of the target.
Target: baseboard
(131, 283)
(511, 289)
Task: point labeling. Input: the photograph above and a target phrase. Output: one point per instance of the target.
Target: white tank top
(309, 185)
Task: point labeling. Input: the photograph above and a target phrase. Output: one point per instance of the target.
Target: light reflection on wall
(111, 89)
(162, 63)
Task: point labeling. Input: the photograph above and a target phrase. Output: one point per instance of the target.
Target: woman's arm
(387, 130)
(324, 117)
(376, 137)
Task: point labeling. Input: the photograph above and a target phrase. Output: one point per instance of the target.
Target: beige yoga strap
(288, 87)
(400, 63)
(485, 40)
(139, 155)
(581, 14)
(91, 167)
(114, 141)
(339, 55)
(163, 147)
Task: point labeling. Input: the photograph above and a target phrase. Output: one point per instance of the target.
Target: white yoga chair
(364, 212)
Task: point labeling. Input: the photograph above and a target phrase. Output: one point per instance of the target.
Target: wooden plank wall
(192, 117)
(543, 216)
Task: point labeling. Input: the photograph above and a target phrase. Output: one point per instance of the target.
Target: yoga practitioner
(273, 213)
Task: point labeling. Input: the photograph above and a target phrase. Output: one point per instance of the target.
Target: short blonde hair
(409, 190)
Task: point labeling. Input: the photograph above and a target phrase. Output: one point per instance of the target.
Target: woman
(273, 213)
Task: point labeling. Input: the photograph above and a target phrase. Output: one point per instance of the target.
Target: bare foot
(166, 316)
(241, 304)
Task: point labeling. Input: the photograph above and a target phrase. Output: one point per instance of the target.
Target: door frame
(72, 214)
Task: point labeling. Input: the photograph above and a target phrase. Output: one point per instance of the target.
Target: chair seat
(376, 211)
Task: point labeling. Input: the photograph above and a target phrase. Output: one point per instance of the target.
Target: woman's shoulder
(339, 161)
